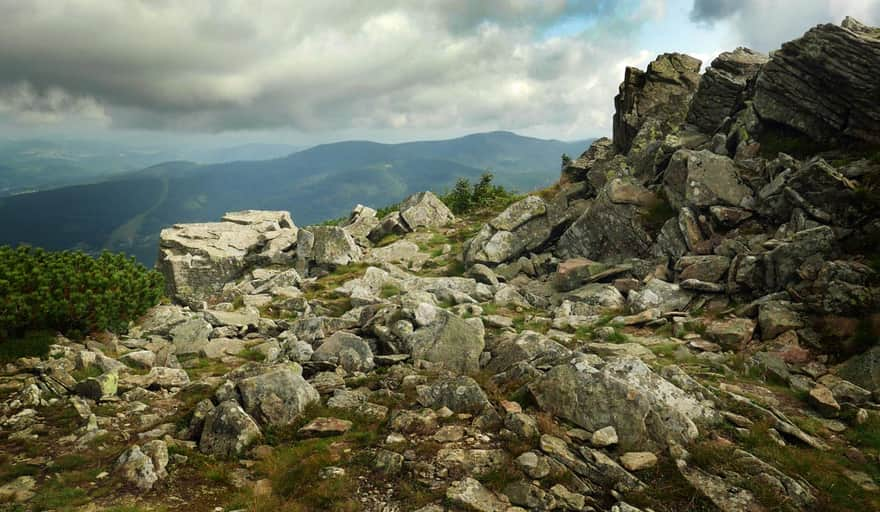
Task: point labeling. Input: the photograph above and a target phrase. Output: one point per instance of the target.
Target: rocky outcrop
(276, 396)
(662, 94)
(523, 227)
(198, 259)
(606, 231)
(425, 210)
(821, 84)
(723, 88)
(646, 410)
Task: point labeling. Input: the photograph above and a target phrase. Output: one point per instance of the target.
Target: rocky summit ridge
(688, 320)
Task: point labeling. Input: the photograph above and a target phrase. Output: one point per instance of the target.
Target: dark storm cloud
(712, 10)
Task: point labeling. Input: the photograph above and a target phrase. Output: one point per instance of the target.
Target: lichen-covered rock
(703, 179)
(661, 93)
(723, 87)
(198, 259)
(606, 232)
(328, 246)
(360, 223)
(524, 226)
(277, 396)
(228, 430)
(347, 350)
(459, 394)
(821, 83)
(425, 210)
(646, 410)
(451, 342)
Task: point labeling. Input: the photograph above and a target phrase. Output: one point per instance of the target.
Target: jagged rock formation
(671, 316)
(793, 88)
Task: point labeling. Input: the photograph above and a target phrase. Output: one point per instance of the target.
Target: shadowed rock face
(662, 93)
(821, 84)
(723, 87)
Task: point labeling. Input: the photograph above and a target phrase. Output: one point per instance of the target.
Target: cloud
(765, 24)
(204, 65)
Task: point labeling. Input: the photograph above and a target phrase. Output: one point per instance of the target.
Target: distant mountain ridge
(127, 211)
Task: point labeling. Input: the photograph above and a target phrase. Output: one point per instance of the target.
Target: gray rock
(459, 394)
(197, 260)
(330, 246)
(660, 295)
(228, 430)
(863, 369)
(777, 317)
(723, 87)
(451, 342)
(138, 468)
(425, 210)
(470, 495)
(817, 84)
(731, 334)
(662, 94)
(606, 232)
(278, 396)
(360, 223)
(191, 336)
(347, 350)
(645, 409)
(527, 346)
(702, 179)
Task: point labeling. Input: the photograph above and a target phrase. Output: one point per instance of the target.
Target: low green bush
(72, 292)
(466, 197)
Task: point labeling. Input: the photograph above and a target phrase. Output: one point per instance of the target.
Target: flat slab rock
(325, 427)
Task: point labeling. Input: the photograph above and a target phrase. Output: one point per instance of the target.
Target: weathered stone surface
(606, 232)
(324, 427)
(451, 342)
(330, 246)
(711, 269)
(277, 396)
(228, 430)
(470, 495)
(523, 226)
(459, 394)
(732, 334)
(99, 387)
(821, 84)
(723, 86)
(863, 369)
(637, 461)
(425, 210)
(777, 317)
(143, 468)
(823, 400)
(360, 223)
(781, 264)
(645, 409)
(661, 94)
(198, 259)
(658, 294)
(703, 179)
(347, 350)
(527, 346)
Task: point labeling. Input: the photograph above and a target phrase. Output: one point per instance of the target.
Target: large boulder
(228, 430)
(360, 223)
(863, 370)
(824, 84)
(326, 246)
(278, 396)
(723, 87)
(646, 410)
(662, 93)
(606, 231)
(347, 350)
(524, 226)
(702, 179)
(459, 394)
(198, 259)
(450, 341)
(425, 210)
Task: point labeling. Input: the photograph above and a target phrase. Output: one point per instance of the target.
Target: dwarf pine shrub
(71, 291)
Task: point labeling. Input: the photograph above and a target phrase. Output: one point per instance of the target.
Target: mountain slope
(127, 212)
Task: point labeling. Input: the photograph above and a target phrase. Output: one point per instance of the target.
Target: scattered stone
(325, 427)
(637, 461)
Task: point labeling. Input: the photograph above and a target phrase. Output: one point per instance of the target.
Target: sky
(305, 72)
